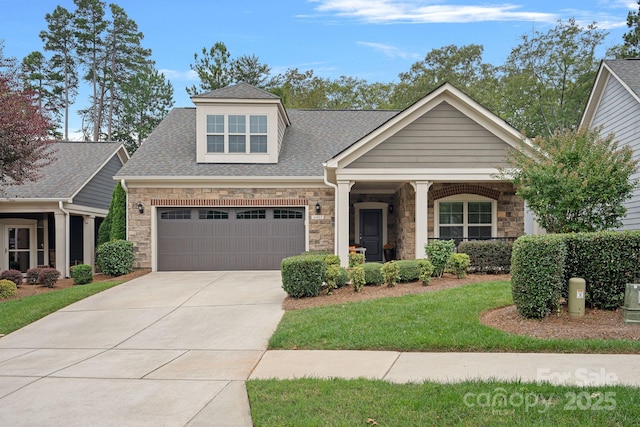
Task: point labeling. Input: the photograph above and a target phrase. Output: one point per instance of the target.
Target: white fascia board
(480, 174)
(595, 96)
(85, 210)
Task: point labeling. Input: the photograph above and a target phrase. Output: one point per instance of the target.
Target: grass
(446, 320)
(15, 314)
(337, 402)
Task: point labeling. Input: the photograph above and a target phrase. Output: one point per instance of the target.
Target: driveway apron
(168, 349)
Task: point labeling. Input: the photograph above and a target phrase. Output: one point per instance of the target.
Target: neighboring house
(54, 221)
(614, 105)
(238, 182)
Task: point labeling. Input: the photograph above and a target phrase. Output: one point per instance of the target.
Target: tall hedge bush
(538, 274)
(116, 257)
(487, 256)
(303, 275)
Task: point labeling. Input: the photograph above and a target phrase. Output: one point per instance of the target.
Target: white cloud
(424, 11)
(390, 51)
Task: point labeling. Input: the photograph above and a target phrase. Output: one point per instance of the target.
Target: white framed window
(465, 217)
(230, 133)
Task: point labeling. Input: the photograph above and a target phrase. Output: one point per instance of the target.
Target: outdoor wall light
(390, 208)
(317, 207)
(140, 207)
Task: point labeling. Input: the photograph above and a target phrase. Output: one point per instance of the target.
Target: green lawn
(445, 320)
(312, 402)
(15, 314)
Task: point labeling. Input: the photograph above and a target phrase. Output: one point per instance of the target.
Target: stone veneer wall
(321, 231)
(391, 216)
(405, 222)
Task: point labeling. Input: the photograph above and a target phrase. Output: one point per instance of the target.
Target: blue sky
(370, 39)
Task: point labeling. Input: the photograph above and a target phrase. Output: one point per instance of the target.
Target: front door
(18, 247)
(371, 233)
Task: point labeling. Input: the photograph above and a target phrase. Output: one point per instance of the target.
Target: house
(239, 182)
(614, 105)
(54, 221)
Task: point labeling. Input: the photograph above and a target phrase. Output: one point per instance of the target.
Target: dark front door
(371, 233)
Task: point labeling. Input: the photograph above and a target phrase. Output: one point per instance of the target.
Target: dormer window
(233, 137)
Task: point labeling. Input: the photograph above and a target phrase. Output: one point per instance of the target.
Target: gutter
(67, 237)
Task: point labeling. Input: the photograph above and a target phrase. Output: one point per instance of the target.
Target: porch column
(422, 213)
(88, 240)
(61, 243)
(342, 221)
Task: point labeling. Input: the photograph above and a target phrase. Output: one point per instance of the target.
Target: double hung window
(236, 133)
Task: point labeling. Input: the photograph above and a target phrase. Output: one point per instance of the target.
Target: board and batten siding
(619, 113)
(442, 138)
(98, 191)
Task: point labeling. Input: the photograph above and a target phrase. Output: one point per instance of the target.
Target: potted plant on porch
(389, 252)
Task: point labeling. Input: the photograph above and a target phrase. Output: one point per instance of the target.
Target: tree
(574, 180)
(213, 69)
(300, 90)
(24, 145)
(59, 38)
(248, 69)
(114, 225)
(631, 46)
(548, 77)
(148, 100)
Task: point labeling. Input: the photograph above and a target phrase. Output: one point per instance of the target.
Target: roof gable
(239, 91)
(486, 121)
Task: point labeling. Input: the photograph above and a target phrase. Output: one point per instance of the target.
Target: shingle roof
(74, 164)
(628, 70)
(313, 138)
(239, 91)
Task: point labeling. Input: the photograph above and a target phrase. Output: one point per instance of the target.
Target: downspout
(67, 237)
(335, 208)
(126, 214)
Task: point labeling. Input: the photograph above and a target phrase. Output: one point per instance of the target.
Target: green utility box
(577, 288)
(631, 307)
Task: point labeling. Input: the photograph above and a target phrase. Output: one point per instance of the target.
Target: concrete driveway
(165, 349)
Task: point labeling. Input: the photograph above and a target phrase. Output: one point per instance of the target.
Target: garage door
(228, 238)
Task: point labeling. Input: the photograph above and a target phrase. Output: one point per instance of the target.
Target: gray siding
(442, 138)
(98, 191)
(619, 113)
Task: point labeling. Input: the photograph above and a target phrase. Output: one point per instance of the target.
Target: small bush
(356, 275)
(48, 277)
(458, 265)
(438, 252)
(303, 275)
(372, 273)
(82, 274)
(31, 277)
(487, 256)
(8, 288)
(14, 275)
(336, 277)
(332, 260)
(537, 274)
(356, 260)
(115, 258)
(426, 270)
(409, 270)
(391, 273)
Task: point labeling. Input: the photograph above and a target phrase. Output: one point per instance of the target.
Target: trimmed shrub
(487, 256)
(14, 275)
(537, 274)
(390, 273)
(372, 273)
(332, 260)
(356, 260)
(8, 288)
(82, 274)
(426, 270)
(48, 277)
(438, 252)
(356, 275)
(458, 265)
(115, 258)
(303, 275)
(409, 270)
(336, 277)
(31, 277)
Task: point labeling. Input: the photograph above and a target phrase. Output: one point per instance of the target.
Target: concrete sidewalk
(568, 369)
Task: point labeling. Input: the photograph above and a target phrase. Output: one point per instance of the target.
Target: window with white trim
(473, 219)
(230, 133)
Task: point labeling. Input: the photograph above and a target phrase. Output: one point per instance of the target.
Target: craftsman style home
(614, 106)
(54, 221)
(240, 182)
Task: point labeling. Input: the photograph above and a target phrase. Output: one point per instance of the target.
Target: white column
(88, 241)
(342, 221)
(61, 243)
(422, 213)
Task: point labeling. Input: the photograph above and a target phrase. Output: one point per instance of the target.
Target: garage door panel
(229, 239)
